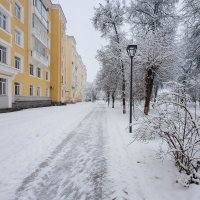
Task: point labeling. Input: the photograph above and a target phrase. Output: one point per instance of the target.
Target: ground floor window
(2, 86)
(47, 92)
(17, 88)
(38, 91)
(31, 90)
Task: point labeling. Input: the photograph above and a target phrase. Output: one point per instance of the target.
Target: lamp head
(131, 50)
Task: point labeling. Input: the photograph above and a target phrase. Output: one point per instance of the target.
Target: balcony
(39, 59)
(7, 70)
(37, 34)
(41, 18)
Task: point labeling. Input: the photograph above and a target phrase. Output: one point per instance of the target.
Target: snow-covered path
(75, 169)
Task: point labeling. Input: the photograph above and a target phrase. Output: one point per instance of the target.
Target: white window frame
(21, 67)
(30, 70)
(3, 54)
(21, 18)
(47, 92)
(3, 85)
(8, 51)
(39, 92)
(19, 41)
(31, 93)
(17, 63)
(18, 11)
(8, 15)
(19, 88)
(3, 21)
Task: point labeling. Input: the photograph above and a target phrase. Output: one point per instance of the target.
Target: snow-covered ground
(29, 137)
(81, 151)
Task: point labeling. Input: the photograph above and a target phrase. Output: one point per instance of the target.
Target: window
(3, 52)
(18, 37)
(63, 93)
(38, 91)
(47, 76)
(2, 86)
(17, 89)
(62, 79)
(17, 11)
(3, 21)
(31, 90)
(47, 92)
(40, 48)
(38, 72)
(31, 70)
(17, 62)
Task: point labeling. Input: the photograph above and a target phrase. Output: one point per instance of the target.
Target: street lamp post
(131, 50)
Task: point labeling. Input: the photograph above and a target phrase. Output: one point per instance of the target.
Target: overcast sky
(79, 14)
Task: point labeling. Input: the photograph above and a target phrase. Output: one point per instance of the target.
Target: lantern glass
(131, 50)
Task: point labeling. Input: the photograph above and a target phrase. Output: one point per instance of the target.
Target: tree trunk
(113, 100)
(108, 97)
(149, 87)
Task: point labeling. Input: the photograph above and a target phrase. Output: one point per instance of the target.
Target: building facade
(31, 86)
(76, 73)
(7, 51)
(39, 64)
(58, 54)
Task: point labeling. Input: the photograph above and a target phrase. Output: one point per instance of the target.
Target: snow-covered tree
(154, 25)
(109, 20)
(91, 91)
(191, 48)
(108, 78)
(191, 14)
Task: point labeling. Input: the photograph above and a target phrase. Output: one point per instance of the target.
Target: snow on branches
(173, 122)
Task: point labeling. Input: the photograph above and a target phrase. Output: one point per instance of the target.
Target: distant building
(76, 73)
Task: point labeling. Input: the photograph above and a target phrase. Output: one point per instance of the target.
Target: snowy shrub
(173, 122)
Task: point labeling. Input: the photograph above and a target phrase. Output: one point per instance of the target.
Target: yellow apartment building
(71, 68)
(58, 54)
(81, 80)
(7, 70)
(25, 51)
(39, 64)
(76, 73)
(79, 73)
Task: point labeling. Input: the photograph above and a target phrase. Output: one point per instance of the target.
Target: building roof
(59, 7)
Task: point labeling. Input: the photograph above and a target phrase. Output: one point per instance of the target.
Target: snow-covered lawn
(129, 171)
(28, 137)
(135, 169)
